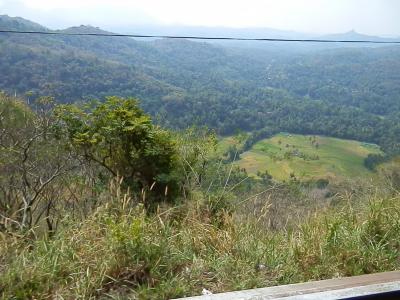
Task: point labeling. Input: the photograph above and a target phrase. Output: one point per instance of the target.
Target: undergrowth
(126, 253)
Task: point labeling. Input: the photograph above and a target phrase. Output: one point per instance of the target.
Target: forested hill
(350, 93)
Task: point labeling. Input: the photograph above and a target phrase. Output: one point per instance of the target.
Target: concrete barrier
(373, 286)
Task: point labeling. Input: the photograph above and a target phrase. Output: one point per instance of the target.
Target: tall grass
(122, 252)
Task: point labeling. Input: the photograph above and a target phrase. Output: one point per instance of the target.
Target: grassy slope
(337, 157)
(116, 254)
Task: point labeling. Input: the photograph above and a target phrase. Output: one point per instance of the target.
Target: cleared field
(306, 157)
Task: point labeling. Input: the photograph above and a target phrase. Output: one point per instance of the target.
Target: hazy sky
(379, 17)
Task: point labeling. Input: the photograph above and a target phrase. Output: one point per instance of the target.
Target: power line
(199, 37)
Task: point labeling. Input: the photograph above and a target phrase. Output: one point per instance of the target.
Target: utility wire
(198, 37)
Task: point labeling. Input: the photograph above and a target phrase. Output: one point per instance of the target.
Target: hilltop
(353, 35)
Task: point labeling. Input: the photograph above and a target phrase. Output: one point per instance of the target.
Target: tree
(120, 137)
(372, 160)
(31, 161)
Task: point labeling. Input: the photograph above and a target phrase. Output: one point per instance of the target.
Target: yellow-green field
(305, 156)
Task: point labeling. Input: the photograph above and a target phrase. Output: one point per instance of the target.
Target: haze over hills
(251, 32)
(254, 32)
(347, 92)
(184, 30)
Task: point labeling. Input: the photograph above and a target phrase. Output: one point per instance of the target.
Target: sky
(374, 17)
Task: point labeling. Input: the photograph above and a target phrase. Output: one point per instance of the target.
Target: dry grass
(121, 252)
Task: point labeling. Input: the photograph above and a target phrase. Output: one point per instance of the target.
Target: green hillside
(344, 93)
(306, 157)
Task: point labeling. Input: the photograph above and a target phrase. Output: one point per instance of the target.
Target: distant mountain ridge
(15, 23)
(355, 36)
(84, 29)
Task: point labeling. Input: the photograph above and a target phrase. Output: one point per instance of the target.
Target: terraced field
(306, 157)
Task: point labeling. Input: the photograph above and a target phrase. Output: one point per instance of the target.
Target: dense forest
(347, 93)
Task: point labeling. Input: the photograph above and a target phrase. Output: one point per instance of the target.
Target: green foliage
(372, 160)
(232, 153)
(120, 137)
(265, 177)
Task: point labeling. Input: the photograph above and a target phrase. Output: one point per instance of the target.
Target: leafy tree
(120, 137)
(232, 153)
